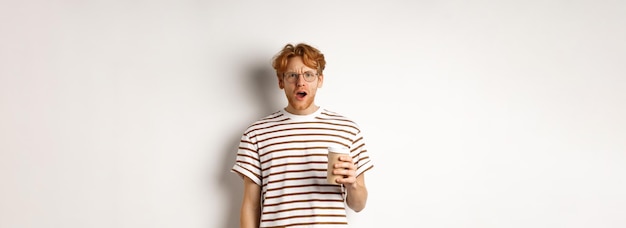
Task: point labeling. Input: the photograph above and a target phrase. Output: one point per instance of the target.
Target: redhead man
(282, 157)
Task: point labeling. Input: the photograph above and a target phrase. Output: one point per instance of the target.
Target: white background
(477, 113)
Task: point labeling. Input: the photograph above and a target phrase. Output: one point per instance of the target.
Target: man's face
(300, 92)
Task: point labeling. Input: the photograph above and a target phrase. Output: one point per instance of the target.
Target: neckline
(302, 117)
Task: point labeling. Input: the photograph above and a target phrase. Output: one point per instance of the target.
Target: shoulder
(263, 122)
(331, 115)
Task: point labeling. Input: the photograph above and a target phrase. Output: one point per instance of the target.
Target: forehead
(295, 63)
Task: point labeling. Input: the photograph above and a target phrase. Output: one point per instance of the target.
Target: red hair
(311, 57)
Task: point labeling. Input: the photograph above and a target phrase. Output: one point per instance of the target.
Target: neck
(311, 109)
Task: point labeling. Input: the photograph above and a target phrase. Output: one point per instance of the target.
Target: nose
(300, 80)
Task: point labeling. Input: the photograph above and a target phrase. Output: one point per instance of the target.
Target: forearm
(250, 206)
(357, 194)
(249, 217)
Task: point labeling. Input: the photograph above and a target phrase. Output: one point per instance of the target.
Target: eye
(291, 75)
(309, 74)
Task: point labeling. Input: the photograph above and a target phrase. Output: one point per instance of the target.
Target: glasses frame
(289, 79)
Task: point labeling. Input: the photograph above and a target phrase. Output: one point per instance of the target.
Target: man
(283, 157)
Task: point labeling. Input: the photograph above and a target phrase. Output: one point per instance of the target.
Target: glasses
(309, 76)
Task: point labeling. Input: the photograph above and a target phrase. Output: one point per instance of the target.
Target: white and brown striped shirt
(286, 155)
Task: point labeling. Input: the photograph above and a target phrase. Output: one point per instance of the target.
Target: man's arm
(357, 192)
(251, 205)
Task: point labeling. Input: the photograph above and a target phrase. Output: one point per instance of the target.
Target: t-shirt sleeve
(360, 155)
(248, 161)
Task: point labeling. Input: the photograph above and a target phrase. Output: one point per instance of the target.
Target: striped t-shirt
(286, 155)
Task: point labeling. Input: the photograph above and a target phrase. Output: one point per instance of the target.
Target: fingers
(344, 172)
(344, 165)
(345, 162)
(346, 168)
(346, 180)
(345, 158)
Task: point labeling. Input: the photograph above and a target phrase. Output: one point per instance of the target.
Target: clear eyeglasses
(309, 76)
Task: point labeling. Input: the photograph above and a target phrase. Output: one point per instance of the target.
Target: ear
(281, 83)
(320, 81)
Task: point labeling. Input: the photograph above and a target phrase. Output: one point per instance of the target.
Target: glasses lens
(291, 76)
(309, 76)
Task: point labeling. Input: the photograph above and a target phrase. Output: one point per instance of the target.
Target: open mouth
(300, 95)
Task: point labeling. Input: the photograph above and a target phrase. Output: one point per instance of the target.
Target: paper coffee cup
(333, 157)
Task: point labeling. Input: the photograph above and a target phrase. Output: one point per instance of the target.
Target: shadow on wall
(261, 81)
(264, 84)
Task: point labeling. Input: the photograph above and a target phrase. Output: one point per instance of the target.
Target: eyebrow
(296, 70)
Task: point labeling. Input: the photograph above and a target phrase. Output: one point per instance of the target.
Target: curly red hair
(312, 57)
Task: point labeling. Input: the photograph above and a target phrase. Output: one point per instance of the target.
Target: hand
(346, 168)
